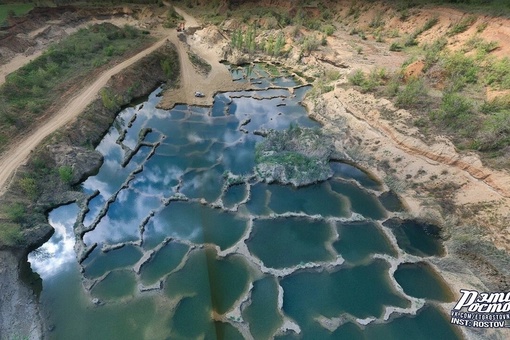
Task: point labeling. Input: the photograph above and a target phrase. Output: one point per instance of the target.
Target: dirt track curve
(19, 153)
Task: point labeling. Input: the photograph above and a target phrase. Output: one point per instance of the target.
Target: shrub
(498, 74)
(202, 65)
(10, 234)
(377, 21)
(368, 82)
(16, 212)
(432, 51)
(328, 29)
(413, 94)
(29, 187)
(396, 47)
(495, 132)
(311, 43)
(109, 99)
(460, 69)
(357, 78)
(455, 112)
(170, 66)
(392, 86)
(66, 174)
(429, 24)
(462, 25)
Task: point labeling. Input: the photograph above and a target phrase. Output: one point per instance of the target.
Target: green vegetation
(11, 234)
(411, 39)
(29, 187)
(297, 155)
(170, 67)
(328, 29)
(16, 212)
(199, 63)
(66, 174)
(396, 47)
(412, 95)
(110, 100)
(274, 46)
(368, 82)
(310, 43)
(172, 18)
(456, 113)
(29, 91)
(493, 7)
(244, 41)
(448, 97)
(462, 25)
(12, 10)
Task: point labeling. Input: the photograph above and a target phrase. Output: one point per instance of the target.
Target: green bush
(369, 82)
(172, 18)
(66, 174)
(495, 132)
(462, 25)
(310, 43)
(328, 29)
(10, 234)
(432, 51)
(377, 21)
(29, 187)
(109, 99)
(396, 47)
(456, 112)
(170, 65)
(460, 70)
(357, 78)
(16, 212)
(413, 94)
(498, 73)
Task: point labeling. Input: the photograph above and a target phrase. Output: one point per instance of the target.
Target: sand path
(19, 153)
(190, 82)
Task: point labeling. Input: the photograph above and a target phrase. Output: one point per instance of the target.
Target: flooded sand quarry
(180, 239)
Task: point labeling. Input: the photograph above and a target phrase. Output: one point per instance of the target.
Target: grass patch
(200, 64)
(462, 25)
(12, 10)
(172, 18)
(369, 82)
(412, 95)
(297, 155)
(11, 234)
(28, 92)
(456, 112)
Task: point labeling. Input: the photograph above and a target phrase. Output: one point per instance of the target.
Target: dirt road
(191, 81)
(19, 153)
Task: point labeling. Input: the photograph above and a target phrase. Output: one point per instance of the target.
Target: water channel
(181, 241)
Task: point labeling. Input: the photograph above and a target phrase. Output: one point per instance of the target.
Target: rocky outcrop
(18, 317)
(297, 156)
(83, 162)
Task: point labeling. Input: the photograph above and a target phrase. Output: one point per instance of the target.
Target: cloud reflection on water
(58, 252)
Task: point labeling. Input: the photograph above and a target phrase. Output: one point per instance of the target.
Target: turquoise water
(294, 241)
(262, 314)
(358, 241)
(417, 238)
(191, 245)
(421, 280)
